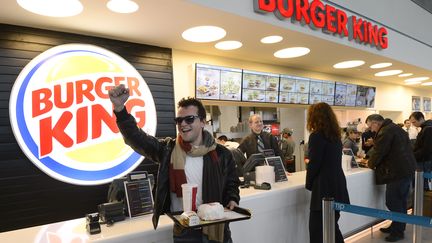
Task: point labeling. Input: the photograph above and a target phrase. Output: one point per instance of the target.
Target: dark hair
(406, 120)
(190, 101)
(321, 118)
(417, 115)
(375, 117)
(223, 138)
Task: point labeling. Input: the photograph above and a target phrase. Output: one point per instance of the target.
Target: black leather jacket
(159, 150)
(391, 156)
(423, 144)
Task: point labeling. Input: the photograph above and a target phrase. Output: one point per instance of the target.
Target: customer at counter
(258, 140)
(423, 144)
(411, 130)
(324, 176)
(393, 160)
(194, 157)
(367, 140)
(351, 140)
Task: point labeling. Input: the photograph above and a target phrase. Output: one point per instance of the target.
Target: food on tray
(203, 89)
(189, 218)
(211, 211)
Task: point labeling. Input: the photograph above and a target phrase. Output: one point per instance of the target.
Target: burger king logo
(63, 119)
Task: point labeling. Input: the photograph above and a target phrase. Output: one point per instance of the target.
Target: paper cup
(189, 192)
(264, 173)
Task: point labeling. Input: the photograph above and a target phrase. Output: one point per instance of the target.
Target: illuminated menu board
(214, 82)
(221, 83)
(365, 96)
(321, 91)
(260, 87)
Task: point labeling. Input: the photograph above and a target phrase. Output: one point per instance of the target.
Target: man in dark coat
(423, 144)
(393, 160)
(194, 157)
(251, 144)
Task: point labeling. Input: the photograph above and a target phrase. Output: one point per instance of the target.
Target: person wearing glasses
(258, 140)
(193, 157)
(393, 160)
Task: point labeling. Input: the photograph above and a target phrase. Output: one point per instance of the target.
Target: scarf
(178, 159)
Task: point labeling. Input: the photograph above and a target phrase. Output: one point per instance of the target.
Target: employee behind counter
(258, 140)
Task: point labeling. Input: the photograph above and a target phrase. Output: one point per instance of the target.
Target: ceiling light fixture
(405, 75)
(203, 34)
(349, 64)
(228, 45)
(418, 79)
(271, 39)
(52, 8)
(388, 73)
(381, 65)
(122, 6)
(427, 84)
(412, 83)
(292, 52)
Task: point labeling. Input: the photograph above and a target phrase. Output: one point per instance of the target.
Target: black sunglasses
(188, 119)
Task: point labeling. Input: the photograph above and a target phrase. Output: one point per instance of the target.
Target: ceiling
(161, 23)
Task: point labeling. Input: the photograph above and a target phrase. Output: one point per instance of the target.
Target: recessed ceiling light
(405, 75)
(412, 83)
(388, 73)
(204, 34)
(292, 52)
(418, 79)
(52, 8)
(228, 45)
(122, 6)
(271, 39)
(381, 65)
(349, 64)
(427, 84)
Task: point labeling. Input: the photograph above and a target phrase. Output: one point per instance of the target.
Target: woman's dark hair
(321, 118)
(185, 102)
(417, 115)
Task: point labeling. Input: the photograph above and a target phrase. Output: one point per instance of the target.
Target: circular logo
(63, 119)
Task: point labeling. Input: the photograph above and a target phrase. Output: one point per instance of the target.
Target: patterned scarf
(178, 159)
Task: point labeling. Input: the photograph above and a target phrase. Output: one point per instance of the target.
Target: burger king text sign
(63, 119)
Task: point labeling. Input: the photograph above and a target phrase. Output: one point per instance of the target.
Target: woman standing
(324, 176)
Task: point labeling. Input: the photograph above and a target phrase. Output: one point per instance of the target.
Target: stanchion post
(418, 205)
(328, 220)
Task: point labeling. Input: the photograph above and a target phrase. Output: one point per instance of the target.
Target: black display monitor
(253, 161)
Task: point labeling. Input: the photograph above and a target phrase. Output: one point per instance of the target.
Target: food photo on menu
(303, 99)
(207, 82)
(272, 83)
(302, 85)
(328, 88)
(271, 96)
(230, 85)
(287, 83)
(315, 87)
(253, 95)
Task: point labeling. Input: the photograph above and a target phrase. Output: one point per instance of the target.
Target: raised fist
(118, 96)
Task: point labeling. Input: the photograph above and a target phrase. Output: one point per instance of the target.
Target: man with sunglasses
(258, 140)
(193, 157)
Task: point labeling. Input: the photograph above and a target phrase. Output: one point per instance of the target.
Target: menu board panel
(230, 84)
(287, 84)
(321, 91)
(426, 104)
(302, 85)
(262, 87)
(365, 96)
(340, 94)
(303, 99)
(214, 82)
(351, 95)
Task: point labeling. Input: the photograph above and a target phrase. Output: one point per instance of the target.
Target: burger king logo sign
(63, 119)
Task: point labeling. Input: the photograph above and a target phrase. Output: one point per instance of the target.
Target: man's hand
(118, 96)
(231, 205)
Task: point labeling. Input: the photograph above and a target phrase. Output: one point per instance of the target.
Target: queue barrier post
(418, 205)
(328, 220)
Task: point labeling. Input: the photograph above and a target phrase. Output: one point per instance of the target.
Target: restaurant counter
(278, 215)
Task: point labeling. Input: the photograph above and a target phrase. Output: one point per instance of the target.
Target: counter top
(285, 207)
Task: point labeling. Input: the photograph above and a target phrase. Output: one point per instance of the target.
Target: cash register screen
(348, 151)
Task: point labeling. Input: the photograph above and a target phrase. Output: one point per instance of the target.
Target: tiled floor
(373, 235)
